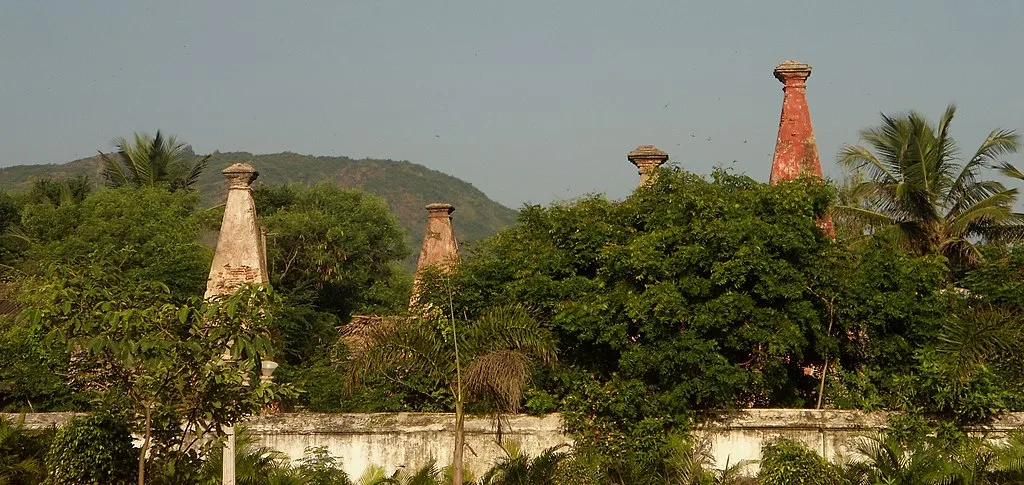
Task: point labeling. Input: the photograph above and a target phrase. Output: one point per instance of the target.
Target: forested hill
(407, 187)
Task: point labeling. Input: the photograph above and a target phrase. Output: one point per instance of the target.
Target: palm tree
(152, 162)
(517, 468)
(254, 463)
(487, 360)
(1009, 459)
(886, 458)
(917, 188)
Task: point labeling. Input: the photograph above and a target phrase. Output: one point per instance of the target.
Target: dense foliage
(692, 296)
(701, 294)
(90, 451)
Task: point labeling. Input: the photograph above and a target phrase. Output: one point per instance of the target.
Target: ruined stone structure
(440, 248)
(647, 159)
(240, 257)
(796, 150)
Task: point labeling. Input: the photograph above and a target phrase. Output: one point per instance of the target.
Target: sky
(530, 101)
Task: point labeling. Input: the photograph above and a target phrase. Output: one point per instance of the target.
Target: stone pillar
(440, 248)
(647, 159)
(796, 149)
(240, 256)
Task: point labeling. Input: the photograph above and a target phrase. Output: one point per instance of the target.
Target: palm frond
(1009, 460)
(858, 157)
(192, 177)
(113, 173)
(1009, 232)
(966, 341)
(867, 216)
(1009, 170)
(500, 375)
(995, 209)
(510, 327)
(999, 142)
(428, 474)
(411, 343)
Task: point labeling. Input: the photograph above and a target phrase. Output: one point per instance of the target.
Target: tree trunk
(145, 446)
(460, 443)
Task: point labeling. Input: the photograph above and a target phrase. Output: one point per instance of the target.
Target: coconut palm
(152, 162)
(487, 360)
(919, 190)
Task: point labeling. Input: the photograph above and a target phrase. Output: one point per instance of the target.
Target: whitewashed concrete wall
(393, 440)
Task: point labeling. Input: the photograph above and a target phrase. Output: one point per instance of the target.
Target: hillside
(407, 187)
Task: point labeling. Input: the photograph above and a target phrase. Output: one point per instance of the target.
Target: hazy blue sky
(528, 100)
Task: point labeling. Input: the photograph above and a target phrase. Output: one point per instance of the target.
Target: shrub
(94, 450)
(788, 462)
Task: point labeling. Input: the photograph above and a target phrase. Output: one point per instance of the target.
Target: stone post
(440, 248)
(796, 149)
(647, 159)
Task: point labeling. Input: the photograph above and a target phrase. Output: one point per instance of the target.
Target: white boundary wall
(393, 440)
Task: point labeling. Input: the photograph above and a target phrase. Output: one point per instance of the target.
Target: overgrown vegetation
(694, 295)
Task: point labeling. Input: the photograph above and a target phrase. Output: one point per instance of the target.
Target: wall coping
(368, 423)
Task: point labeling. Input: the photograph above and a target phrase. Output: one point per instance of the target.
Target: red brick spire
(796, 150)
(440, 248)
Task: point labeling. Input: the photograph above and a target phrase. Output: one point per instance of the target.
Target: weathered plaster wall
(393, 440)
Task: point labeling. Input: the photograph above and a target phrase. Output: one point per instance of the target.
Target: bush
(788, 462)
(94, 450)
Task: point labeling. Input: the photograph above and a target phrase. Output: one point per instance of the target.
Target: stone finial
(647, 159)
(796, 149)
(440, 248)
(438, 209)
(792, 72)
(240, 175)
(240, 257)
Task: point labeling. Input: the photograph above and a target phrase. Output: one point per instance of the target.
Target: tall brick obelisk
(440, 248)
(239, 258)
(796, 150)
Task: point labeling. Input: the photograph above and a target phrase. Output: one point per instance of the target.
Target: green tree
(703, 293)
(338, 248)
(145, 234)
(331, 253)
(486, 359)
(155, 161)
(159, 362)
(920, 191)
(56, 191)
